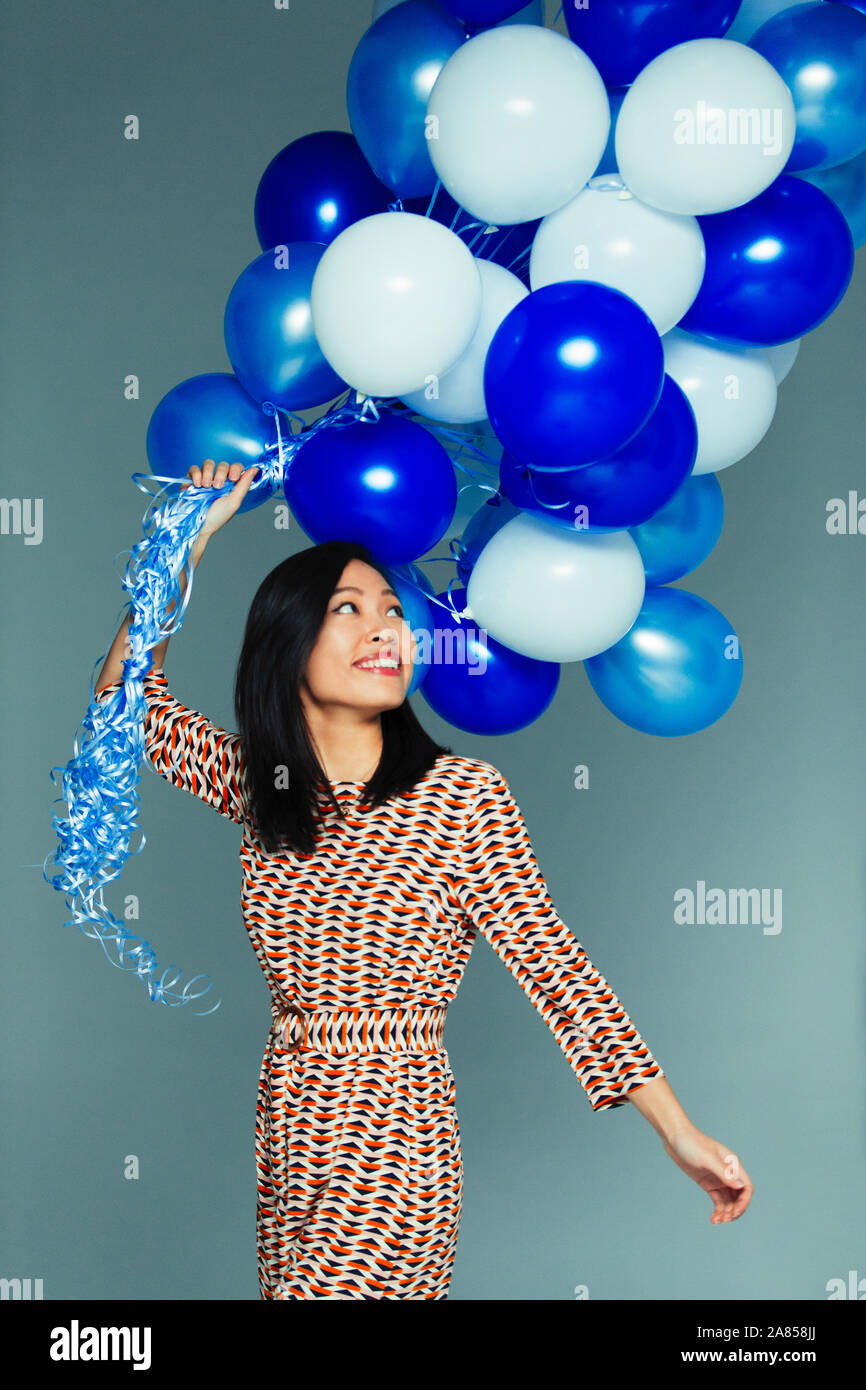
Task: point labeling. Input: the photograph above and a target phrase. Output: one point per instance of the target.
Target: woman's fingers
(212, 474)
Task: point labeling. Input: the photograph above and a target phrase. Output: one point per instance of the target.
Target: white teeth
(377, 665)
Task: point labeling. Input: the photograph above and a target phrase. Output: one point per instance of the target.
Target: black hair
(282, 627)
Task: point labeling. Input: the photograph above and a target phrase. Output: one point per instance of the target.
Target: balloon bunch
(583, 261)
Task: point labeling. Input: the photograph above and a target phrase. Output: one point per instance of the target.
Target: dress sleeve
(503, 892)
(189, 751)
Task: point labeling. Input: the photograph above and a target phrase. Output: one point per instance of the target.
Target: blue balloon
(776, 266)
(388, 484)
(482, 12)
(407, 580)
(315, 188)
(819, 51)
(571, 375)
(676, 671)
(490, 518)
(621, 36)
(509, 246)
(390, 78)
(268, 329)
(681, 534)
(846, 185)
(479, 685)
(622, 490)
(607, 164)
(211, 417)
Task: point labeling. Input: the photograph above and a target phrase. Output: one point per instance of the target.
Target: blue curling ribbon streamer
(101, 779)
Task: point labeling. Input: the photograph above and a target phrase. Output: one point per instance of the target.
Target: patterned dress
(363, 945)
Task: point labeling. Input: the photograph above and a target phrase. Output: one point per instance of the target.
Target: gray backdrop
(120, 256)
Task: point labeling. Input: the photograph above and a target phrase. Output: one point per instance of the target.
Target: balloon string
(547, 506)
(458, 437)
(432, 202)
(494, 250)
(486, 250)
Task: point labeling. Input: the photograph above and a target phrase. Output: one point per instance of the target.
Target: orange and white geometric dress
(363, 945)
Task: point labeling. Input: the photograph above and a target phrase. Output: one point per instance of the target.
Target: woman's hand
(215, 475)
(714, 1168)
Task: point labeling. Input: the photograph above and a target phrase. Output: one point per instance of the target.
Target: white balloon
(609, 235)
(517, 121)
(459, 394)
(732, 392)
(704, 127)
(553, 594)
(395, 298)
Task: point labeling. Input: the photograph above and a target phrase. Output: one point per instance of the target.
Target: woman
(372, 857)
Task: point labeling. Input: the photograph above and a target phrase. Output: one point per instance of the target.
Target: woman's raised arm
(209, 475)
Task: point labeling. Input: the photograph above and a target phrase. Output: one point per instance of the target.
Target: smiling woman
(362, 897)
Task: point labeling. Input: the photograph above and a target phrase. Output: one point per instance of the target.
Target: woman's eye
(351, 604)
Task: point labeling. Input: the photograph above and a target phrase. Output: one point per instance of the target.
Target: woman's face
(364, 621)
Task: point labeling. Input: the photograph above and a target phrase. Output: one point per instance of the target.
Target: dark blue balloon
(479, 685)
(386, 483)
(482, 12)
(211, 417)
(681, 534)
(573, 372)
(268, 329)
(622, 36)
(776, 266)
(490, 518)
(315, 188)
(622, 490)
(676, 671)
(819, 51)
(509, 246)
(390, 79)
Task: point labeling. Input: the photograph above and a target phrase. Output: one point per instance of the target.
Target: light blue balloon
(211, 416)
(268, 330)
(676, 671)
(390, 78)
(819, 51)
(680, 535)
(846, 185)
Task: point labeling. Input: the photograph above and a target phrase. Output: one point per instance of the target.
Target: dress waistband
(359, 1030)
